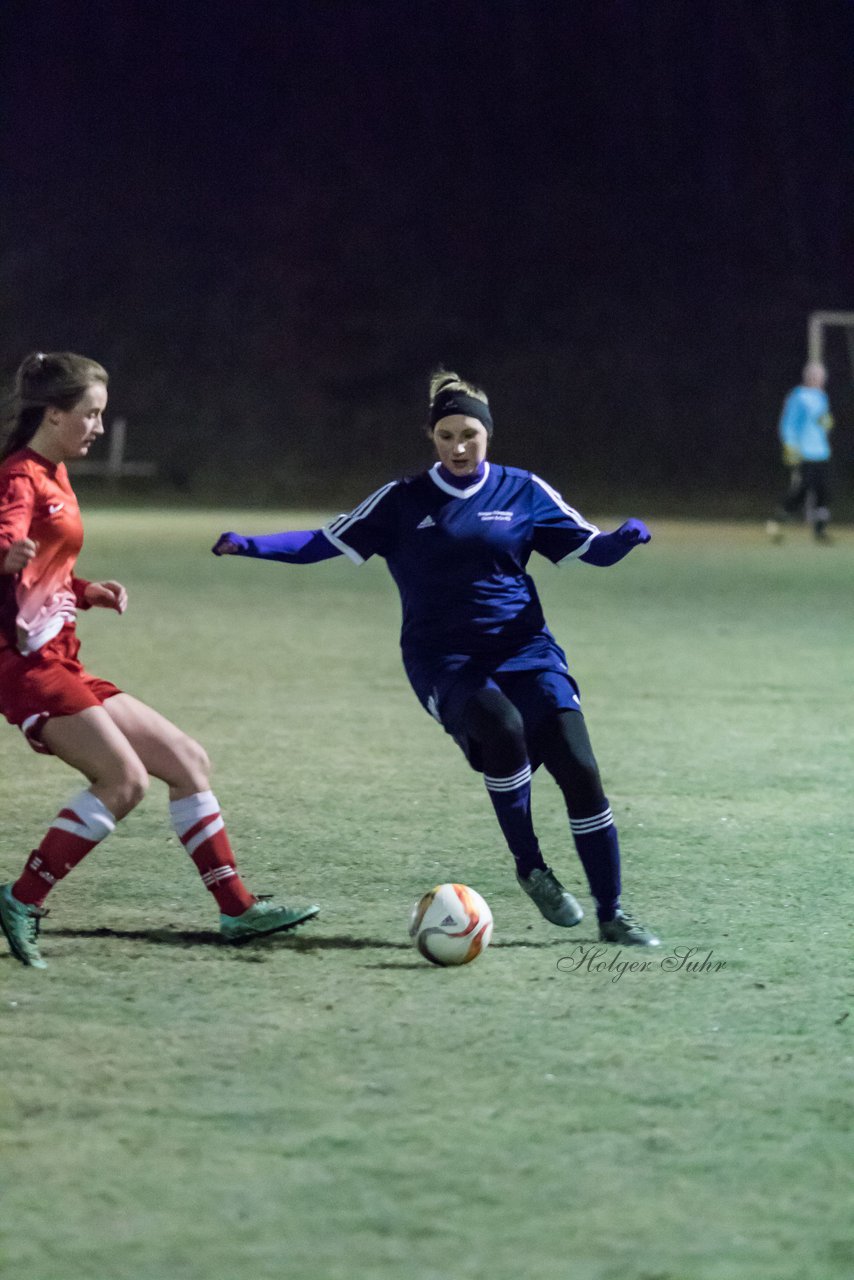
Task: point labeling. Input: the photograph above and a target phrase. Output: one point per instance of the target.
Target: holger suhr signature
(593, 959)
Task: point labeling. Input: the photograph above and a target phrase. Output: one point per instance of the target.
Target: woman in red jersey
(115, 740)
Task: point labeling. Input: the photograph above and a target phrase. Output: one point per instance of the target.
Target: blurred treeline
(270, 221)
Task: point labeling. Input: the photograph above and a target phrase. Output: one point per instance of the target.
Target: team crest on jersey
(495, 515)
(427, 523)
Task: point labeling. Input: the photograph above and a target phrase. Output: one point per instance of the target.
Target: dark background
(269, 221)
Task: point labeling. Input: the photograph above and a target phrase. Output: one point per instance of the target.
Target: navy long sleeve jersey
(459, 556)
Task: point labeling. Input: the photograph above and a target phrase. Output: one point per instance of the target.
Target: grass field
(329, 1106)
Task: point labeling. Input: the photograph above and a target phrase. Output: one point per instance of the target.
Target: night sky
(271, 220)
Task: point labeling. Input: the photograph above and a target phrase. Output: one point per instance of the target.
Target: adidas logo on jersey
(427, 523)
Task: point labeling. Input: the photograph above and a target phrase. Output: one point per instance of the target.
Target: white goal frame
(115, 465)
(817, 323)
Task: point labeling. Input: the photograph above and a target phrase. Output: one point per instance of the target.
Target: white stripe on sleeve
(564, 506)
(579, 551)
(342, 523)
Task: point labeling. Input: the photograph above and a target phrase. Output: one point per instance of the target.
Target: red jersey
(37, 501)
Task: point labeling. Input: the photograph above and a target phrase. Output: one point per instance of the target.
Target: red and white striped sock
(83, 823)
(199, 826)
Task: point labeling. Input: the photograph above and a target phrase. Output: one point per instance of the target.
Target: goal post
(115, 465)
(818, 323)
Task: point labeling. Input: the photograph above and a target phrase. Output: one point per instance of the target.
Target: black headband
(448, 402)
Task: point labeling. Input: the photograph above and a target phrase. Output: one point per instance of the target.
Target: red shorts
(49, 682)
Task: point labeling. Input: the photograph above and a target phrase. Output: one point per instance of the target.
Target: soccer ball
(451, 924)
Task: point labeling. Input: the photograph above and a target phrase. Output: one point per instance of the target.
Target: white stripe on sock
(218, 873)
(584, 826)
(94, 820)
(516, 780)
(185, 813)
(209, 829)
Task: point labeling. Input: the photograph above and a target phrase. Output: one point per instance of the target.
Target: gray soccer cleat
(262, 918)
(627, 932)
(20, 923)
(551, 899)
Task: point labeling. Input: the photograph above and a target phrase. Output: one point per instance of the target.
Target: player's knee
(510, 727)
(129, 788)
(569, 758)
(585, 768)
(195, 761)
(490, 716)
(582, 791)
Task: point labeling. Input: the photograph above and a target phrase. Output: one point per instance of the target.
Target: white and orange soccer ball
(451, 924)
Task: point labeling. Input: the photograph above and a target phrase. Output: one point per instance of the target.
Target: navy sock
(511, 800)
(599, 850)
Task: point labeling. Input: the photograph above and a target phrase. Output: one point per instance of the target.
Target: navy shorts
(536, 694)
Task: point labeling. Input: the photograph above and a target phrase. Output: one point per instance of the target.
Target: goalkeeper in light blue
(475, 645)
(805, 426)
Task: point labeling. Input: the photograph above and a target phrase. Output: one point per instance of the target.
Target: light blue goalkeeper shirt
(803, 423)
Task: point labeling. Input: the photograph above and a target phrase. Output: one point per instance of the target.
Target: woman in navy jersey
(474, 641)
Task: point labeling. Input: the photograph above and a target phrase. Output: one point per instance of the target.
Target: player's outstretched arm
(609, 548)
(303, 546)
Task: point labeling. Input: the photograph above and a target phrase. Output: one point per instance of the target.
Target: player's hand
(230, 544)
(634, 532)
(106, 595)
(18, 555)
(791, 457)
(828, 421)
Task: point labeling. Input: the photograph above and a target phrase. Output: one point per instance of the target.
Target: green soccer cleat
(20, 924)
(627, 932)
(262, 918)
(550, 898)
